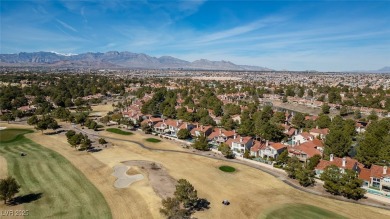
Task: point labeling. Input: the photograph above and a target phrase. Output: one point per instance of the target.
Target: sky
(294, 35)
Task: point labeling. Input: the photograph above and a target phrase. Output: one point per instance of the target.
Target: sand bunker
(2, 128)
(124, 180)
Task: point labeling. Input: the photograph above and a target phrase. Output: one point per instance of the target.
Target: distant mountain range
(115, 59)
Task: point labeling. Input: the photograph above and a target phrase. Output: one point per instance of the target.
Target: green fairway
(51, 187)
(153, 140)
(228, 169)
(9, 135)
(118, 131)
(301, 211)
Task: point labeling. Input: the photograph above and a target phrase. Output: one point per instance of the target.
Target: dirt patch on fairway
(160, 180)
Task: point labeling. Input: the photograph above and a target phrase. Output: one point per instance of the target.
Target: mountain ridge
(115, 59)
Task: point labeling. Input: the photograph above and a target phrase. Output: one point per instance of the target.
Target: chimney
(240, 139)
(220, 131)
(384, 170)
(197, 125)
(344, 161)
(163, 120)
(300, 130)
(331, 158)
(296, 132)
(317, 127)
(235, 136)
(201, 127)
(177, 123)
(186, 125)
(266, 143)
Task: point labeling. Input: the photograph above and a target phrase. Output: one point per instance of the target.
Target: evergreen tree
(183, 134)
(337, 143)
(331, 177)
(226, 151)
(323, 121)
(351, 185)
(282, 158)
(325, 109)
(186, 193)
(293, 167)
(298, 120)
(305, 177)
(201, 143)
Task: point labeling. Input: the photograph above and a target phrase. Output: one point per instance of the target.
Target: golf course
(51, 187)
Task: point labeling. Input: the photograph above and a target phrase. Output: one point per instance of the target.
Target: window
(376, 182)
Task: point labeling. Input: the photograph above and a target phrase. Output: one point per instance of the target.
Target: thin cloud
(67, 26)
(239, 30)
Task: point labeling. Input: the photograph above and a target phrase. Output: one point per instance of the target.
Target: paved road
(278, 175)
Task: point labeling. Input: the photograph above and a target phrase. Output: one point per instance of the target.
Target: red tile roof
(278, 146)
(258, 145)
(365, 174)
(350, 163)
(320, 131)
(305, 149)
(377, 171)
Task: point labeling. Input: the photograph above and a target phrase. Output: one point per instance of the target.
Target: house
(288, 130)
(197, 131)
(220, 135)
(302, 138)
(306, 150)
(321, 133)
(133, 115)
(377, 177)
(256, 148)
(267, 149)
(342, 163)
(360, 127)
(27, 109)
(240, 144)
(171, 127)
(151, 121)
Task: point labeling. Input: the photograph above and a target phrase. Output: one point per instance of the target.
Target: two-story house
(220, 135)
(302, 138)
(197, 131)
(240, 144)
(321, 133)
(376, 177)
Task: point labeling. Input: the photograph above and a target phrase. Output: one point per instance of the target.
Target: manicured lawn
(9, 135)
(301, 211)
(228, 169)
(118, 131)
(51, 187)
(153, 140)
